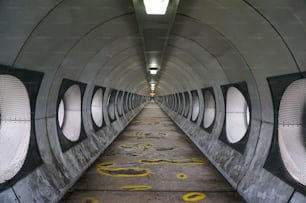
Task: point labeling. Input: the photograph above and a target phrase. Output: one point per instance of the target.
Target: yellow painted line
(147, 146)
(106, 170)
(128, 146)
(136, 187)
(202, 160)
(193, 196)
(181, 176)
(90, 200)
(137, 146)
(134, 154)
(169, 161)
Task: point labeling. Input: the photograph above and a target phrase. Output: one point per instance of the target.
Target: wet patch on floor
(165, 149)
(109, 169)
(170, 161)
(136, 187)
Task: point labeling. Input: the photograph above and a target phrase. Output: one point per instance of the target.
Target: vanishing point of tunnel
(110, 101)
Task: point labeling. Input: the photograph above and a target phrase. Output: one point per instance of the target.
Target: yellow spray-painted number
(181, 176)
(90, 200)
(108, 169)
(136, 187)
(169, 161)
(193, 196)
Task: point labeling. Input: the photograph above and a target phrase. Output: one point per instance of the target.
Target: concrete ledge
(255, 184)
(51, 181)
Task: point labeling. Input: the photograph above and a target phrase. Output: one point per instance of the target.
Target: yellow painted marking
(181, 176)
(90, 200)
(166, 161)
(137, 146)
(134, 154)
(107, 169)
(193, 196)
(136, 187)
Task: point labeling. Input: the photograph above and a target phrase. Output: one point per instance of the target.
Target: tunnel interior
(229, 73)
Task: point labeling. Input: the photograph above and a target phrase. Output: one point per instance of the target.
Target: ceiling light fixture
(156, 7)
(153, 65)
(153, 71)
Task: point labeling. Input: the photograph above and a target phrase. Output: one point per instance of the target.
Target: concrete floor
(152, 161)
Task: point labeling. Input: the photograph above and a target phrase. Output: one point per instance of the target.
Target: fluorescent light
(153, 65)
(156, 7)
(153, 72)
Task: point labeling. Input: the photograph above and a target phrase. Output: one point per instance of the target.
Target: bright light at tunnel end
(156, 7)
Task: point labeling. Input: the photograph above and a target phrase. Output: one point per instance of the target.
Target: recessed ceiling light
(153, 65)
(153, 72)
(156, 7)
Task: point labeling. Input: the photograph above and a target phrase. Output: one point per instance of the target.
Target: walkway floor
(152, 161)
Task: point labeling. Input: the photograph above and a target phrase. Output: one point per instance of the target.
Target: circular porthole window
(111, 106)
(61, 112)
(209, 109)
(15, 126)
(187, 107)
(96, 107)
(292, 130)
(69, 113)
(195, 106)
(237, 115)
(181, 101)
(120, 103)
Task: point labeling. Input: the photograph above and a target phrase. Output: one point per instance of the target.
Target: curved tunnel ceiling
(69, 36)
(209, 42)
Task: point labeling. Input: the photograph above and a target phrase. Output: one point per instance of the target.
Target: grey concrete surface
(152, 136)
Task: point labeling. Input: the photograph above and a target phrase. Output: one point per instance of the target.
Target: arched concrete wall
(212, 44)
(95, 43)
(237, 41)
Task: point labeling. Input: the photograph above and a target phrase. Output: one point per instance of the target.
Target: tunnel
(230, 75)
